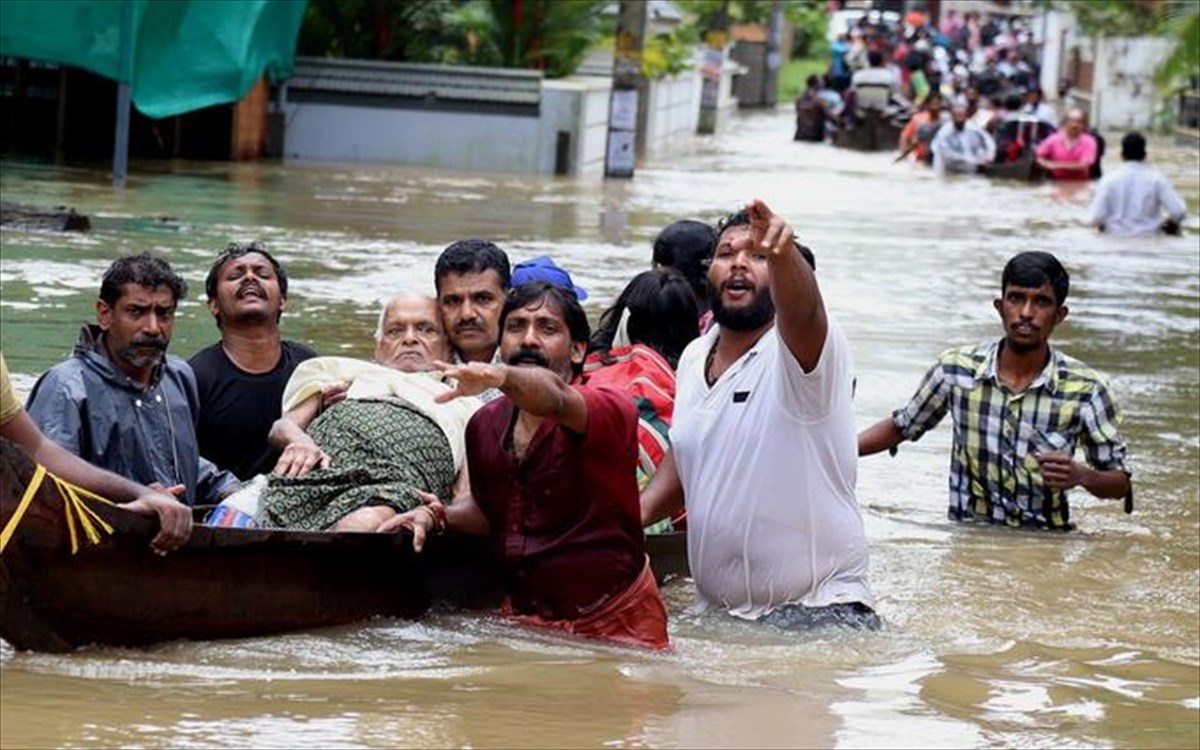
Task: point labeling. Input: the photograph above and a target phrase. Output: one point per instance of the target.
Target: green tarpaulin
(185, 54)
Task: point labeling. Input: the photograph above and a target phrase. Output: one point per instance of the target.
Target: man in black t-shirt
(241, 378)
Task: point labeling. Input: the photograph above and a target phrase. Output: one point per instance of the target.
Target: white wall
(674, 109)
(1124, 96)
(483, 141)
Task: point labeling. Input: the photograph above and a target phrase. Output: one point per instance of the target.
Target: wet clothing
(1080, 151)
(768, 461)
(380, 453)
(566, 518)
(10, 407)
(956, 150)
(634, 617)
(91, 408)
(855, 615)
(237, 408)
(810, 117)
(649, 380)
(993, 474)
(1134, 200)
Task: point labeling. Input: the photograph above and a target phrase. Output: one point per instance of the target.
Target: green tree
(549, 35)
(1175, 19)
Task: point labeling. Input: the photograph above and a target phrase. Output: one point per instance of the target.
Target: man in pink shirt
(1069, 153)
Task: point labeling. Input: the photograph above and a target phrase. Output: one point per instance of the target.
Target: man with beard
(553, 480)
(1020, 407)
(241, 378)
(762, 446)
(121, 402)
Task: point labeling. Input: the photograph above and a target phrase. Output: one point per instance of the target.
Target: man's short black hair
(235, 250)
(875, 58)
(572, 312)
(1133, 147)
(472, 256)
(1034, 268)
(741, 218)
(147, 271)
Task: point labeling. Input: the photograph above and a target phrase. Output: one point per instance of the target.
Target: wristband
(438, 512)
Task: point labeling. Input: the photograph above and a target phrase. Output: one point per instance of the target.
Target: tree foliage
(548, 35)
(1178, 20)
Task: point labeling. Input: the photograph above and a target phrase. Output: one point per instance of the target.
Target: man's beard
(136, 353)
(751, 317)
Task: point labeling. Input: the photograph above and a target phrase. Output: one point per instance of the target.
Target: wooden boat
(1025, 169)
(224, 583)
(874, 133)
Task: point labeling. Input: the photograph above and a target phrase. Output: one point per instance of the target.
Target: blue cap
(543, 268)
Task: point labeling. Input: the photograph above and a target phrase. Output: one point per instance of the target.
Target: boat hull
(225, 582)
(874, 133)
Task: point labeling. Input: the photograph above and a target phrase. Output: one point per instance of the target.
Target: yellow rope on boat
(74, 508)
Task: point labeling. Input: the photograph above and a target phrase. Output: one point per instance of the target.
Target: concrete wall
(1124, 96)
(455, 140)
(481, 139)
(674, 110)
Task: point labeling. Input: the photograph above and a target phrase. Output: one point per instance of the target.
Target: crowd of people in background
(964, 95)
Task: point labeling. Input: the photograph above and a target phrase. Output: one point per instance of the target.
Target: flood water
(993, 638)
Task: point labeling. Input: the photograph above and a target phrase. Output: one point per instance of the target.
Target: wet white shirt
(1134, 199)
(768, 461)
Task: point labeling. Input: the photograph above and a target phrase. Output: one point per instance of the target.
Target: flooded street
(992, 637)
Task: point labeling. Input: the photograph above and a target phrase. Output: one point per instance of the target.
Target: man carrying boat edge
(553, 480)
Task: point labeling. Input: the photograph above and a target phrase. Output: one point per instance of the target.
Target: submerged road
(992, 638)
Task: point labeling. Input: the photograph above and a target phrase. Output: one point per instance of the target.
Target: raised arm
(800, 311)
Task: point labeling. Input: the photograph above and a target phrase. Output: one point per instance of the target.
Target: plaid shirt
(993, 474)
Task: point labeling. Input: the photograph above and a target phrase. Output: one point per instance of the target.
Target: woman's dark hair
(146, 270)
(663, 315)
(685, 246)
(1034, 268)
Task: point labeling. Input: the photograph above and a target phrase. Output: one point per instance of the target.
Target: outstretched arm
(174, 518)
(535, 390)
(800, 311)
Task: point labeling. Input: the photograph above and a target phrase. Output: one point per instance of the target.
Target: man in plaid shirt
(1020, 408)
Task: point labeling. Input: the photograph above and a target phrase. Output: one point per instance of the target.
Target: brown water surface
(993, 638)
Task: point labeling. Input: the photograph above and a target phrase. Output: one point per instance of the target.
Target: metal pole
(124, 74)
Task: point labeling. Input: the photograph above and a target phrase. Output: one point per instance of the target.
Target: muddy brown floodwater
(993, 638)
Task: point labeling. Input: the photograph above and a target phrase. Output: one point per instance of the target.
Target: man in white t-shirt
(763, 441)
(1136, 199)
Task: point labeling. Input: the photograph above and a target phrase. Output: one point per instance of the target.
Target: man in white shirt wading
(763, 442)
(1134, 199)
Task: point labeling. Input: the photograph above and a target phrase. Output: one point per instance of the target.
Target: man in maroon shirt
(553, 479)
